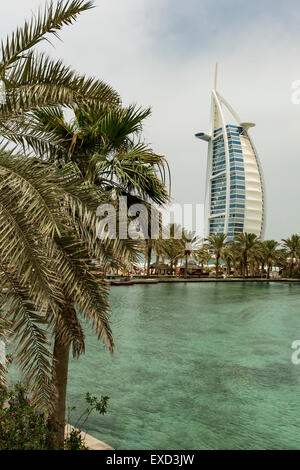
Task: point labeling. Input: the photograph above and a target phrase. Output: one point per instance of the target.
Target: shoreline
(90, 441)
(150, 281)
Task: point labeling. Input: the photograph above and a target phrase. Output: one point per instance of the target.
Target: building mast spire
(216, 76)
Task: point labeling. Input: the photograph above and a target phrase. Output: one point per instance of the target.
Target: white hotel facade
(235, 194)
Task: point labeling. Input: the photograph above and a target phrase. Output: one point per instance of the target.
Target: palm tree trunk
(186, 266)
(217, 266)
(257, 269)
(228, 268)
(149, 253)
(60, 378)
(292, 267)
(234, 268)
(244, 265)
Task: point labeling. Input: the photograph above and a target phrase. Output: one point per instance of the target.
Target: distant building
(235, 195)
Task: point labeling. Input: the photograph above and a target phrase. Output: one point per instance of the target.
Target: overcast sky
(162, 53)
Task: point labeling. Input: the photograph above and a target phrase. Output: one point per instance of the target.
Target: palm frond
(30, 180)
(32, 347)
(40, 81)
(69, 330)
(49, 20)
(88, 291)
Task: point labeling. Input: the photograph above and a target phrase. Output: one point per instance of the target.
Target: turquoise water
(197, 366)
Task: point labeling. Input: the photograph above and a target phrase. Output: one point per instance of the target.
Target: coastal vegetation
(245, 256)
(51, 182)
(24, 427)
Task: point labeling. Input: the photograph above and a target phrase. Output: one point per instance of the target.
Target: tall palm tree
(190, 244)
(203, 255)
(46, 268)
(104, 144)
(173, 243)
(292, 245)
(257, 256)
(181, 244)
(216, 243)
(100, 145)
(152, 245)
(148, 254)
(282, 259)
(244, 243)
(227, 256)
(173, 250)
(48, 222)
(47, 255)
(46, 258)
(270, 253)
(236, 257)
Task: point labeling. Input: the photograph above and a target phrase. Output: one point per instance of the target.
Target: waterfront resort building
(235, 195)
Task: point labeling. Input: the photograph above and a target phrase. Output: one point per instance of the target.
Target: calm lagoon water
(197, 366)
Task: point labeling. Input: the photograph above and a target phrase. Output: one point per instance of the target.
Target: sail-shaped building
(235, 195)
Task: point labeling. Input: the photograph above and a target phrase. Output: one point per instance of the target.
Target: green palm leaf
(47, 21)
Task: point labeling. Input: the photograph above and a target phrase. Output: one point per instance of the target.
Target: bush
(295, 273)
(74, 441)
(23, 427)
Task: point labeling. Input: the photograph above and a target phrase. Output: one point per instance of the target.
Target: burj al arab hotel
(235, 195)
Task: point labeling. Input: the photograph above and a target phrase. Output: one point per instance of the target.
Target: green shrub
(23, 427)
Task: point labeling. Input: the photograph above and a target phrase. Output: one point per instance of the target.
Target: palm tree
(48, 218)
(157, 246)
(216, 243)
(173, 244)
(282, 259)
(100, 146)
(173, 250)
(236, 257)
(190, 244)
(270, 252)
(49, 210)
(104, 145)
(227, 256)
(148, 254)
(46, 269)
(255, 258)
(244, 243)
(292, 245)
(181, 244)
(203, 255)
